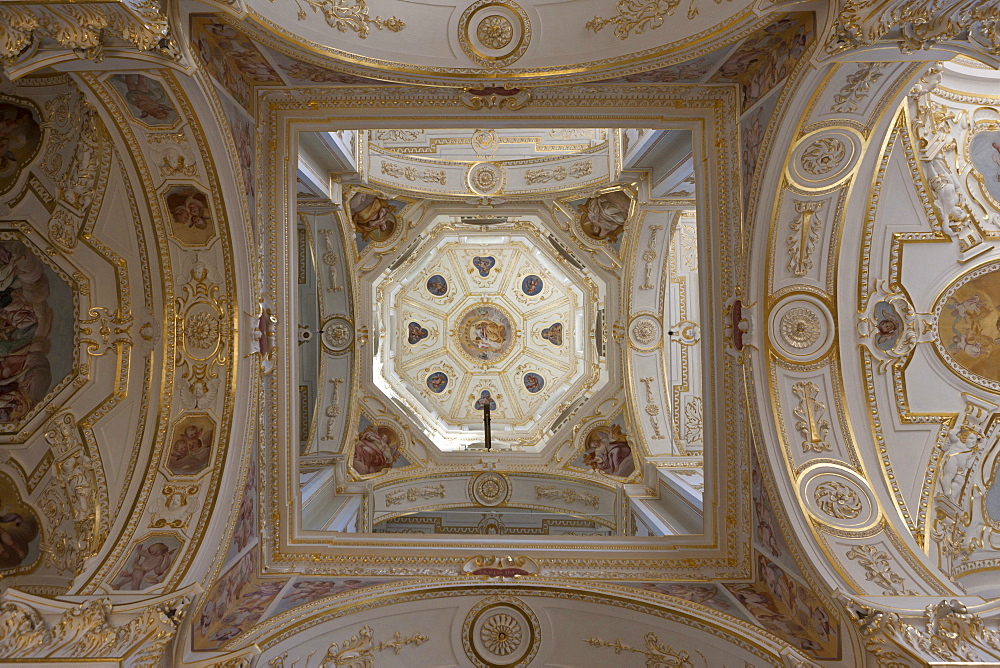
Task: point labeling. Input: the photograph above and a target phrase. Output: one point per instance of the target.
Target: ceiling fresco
(733, 308)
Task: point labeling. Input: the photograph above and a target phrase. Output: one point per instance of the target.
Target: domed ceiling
(480, 315)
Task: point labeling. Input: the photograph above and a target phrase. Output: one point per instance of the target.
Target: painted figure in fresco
(608, 451)
(996, 157)
(531, 285)
(310, 590)
(149, 566)
(189, 208)
(437, 286)
(437, 381)
(376, 450)
(485, 398)
(147, 96)
(19, 137)
(18, 527)
(415, 333)
(373, 217)
(533, 382)
(488, 334)
(888, 326)
(603, 217)
(25, 324)
(191, 450)
(483, 265)
(553, 333)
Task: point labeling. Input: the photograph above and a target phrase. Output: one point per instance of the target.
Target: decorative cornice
(916, 24)
(84, 27)
(83, 631)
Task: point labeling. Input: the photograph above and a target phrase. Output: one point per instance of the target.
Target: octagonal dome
(492, 315)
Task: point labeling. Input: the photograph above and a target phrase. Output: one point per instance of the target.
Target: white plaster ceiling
(487, 310)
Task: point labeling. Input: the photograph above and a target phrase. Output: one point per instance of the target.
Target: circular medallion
(485, 178)
(494, 33)
(485, 333)
(489, 489)
(801, 328)
(645, 332)
(967, 326)
(824, 158)
(338, 334)
(501, 631)
(838, 496)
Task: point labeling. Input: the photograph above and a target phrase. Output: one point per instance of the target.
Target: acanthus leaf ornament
(805, 234)
(566, 495)
(878, 569)
(359, 650)
(352, 15)
(640, 15)
(915, 25)
(411, 494)
(811, 424)
(84, 28)
(656, 653)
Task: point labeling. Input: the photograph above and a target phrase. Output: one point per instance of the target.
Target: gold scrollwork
(349, 14)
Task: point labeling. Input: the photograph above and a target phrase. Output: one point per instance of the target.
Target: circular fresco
(485, 333)
(967, 335)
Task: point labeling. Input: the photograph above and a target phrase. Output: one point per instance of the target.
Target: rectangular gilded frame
(723, 550)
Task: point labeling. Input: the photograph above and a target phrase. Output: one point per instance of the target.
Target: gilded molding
(915, 25)
(84, 27)
(84, 631)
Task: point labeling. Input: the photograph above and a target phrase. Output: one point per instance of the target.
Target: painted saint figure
(437, 285)
(415, 333)
(531, 285)
(376, 449)
(607, 450)
(484, 264)
(149, 565)
(437, 381)
(373, 217)
(533, 382)
(485, 398)
(553, 333)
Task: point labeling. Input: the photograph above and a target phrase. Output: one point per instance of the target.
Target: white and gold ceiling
(725, 273)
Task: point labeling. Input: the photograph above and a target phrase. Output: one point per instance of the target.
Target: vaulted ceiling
(723, 271)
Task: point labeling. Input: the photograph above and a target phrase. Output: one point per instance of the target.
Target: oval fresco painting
(533, 382)
(968, 326)
(485, 333)
(531, 285)
(437, 286)
(888, 326)
(437, 381)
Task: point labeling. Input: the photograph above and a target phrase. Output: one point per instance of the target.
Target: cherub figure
(149, 565)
